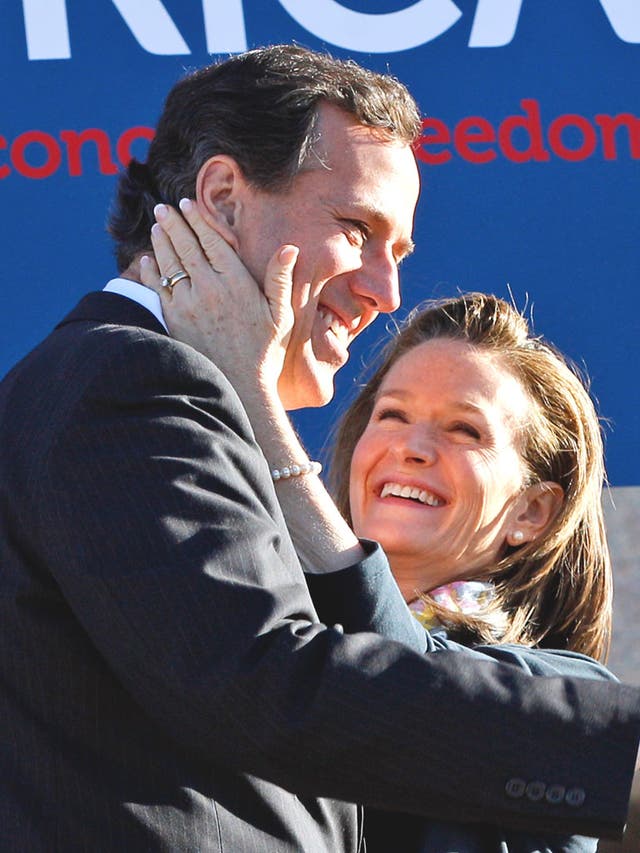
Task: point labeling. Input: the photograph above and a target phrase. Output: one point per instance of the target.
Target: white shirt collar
(138, 293)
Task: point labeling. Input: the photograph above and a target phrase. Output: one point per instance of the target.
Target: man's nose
(377, 283)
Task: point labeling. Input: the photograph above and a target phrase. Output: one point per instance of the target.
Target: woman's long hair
(556, 591)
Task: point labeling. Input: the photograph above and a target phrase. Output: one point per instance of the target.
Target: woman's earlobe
(540, 503)
(515, 538)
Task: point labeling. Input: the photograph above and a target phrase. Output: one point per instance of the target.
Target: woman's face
(437, 476)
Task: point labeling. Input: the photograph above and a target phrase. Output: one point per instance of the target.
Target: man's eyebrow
(406, 248)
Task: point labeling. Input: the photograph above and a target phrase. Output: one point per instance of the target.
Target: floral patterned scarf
(470, 597)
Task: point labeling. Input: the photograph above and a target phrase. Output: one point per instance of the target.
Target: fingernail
(144, 261)
(156, 230)
(160, 211)
(185, 205)
(288, 254)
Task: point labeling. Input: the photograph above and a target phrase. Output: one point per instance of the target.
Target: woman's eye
(466, 429)
(390, 414)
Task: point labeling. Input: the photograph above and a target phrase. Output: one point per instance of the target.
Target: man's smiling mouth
(412, 493)
(337, 325)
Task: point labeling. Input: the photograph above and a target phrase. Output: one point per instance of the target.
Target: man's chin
(312, 394)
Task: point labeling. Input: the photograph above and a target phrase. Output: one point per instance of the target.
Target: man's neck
(132, 272)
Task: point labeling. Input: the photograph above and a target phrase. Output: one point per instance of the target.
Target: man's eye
(358, 231)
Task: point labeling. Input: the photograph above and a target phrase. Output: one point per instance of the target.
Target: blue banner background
(561, 235)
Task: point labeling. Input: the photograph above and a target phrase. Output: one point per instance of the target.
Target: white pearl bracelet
(295, 470)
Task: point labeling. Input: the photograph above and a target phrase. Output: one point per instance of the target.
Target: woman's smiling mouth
(412, 492)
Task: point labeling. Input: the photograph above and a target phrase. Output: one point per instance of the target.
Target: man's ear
(535, 509)
(220, 189)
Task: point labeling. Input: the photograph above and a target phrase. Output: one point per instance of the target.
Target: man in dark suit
(165, 682)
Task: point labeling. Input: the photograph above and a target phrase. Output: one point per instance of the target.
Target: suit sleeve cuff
(365, 597)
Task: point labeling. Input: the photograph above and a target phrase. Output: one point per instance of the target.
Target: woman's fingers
(194, 240)
(221, 256)
(278, 285)
(190, 243)
(169, 265)
(150, 274)
(175, 240)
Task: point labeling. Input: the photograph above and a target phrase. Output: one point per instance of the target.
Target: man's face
(350, 211)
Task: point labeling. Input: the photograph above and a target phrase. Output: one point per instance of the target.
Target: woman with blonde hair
(473, 454)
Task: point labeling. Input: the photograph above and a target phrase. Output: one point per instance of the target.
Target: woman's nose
(419, 446)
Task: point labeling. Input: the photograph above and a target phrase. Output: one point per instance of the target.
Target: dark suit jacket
(347, 597)
(164, 681)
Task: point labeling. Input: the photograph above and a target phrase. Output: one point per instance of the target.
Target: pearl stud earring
(517, 536)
